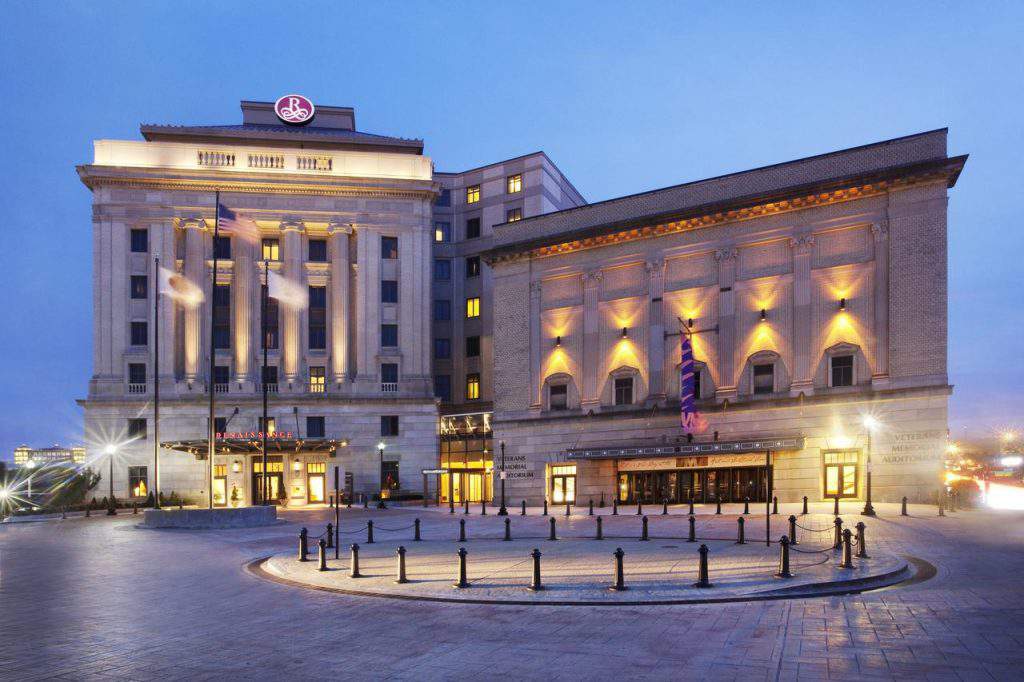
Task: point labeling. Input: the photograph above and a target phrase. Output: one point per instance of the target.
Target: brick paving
(100, 599)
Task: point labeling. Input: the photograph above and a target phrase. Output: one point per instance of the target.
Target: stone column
(162, 245)
(803, 363)
(726, 323)
(195, 272)
(880, 278)
(339, 235)
(591, 396)
(535, 344)
(291, 334)
(368, 306)
(244, 307)
(656, 340)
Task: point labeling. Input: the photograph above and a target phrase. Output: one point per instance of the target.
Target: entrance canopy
(199, 448)
(638, 450)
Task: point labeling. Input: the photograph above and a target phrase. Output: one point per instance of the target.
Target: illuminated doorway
(841, 475)
(274, 478)
(563, 484)
(316, 482)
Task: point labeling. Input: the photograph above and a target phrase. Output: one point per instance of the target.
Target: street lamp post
(111, 511)
(502, 511)
(380, 452)
(31, 464)
(870, 423)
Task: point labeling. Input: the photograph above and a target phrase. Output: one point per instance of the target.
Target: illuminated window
(472, 228)
(842, 370)
(473, 307)
(840, 472)
(318, 250)
(442, 232)
(472, 346)
(140, 241)
(624, 391)
(315, 427)
(472, 194)
(513, 214)
(138, 482)
(270, 427)
(220, 470)
(140, 333)
(472, 386)
(389, 248)
(317, 379)
(764, 379)
(317, 467)
(515, 183)
(271, 249)
(473, 266)
(558, 396)
(140, 286)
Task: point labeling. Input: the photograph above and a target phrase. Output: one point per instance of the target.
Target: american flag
(690, 420)
(237, 224)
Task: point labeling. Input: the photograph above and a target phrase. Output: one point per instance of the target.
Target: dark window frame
(388, 247)
(139, 239)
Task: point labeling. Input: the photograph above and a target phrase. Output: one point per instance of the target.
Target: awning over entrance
(254, 446)
(637, 450)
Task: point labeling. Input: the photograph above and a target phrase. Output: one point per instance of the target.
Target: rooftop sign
(294, 109)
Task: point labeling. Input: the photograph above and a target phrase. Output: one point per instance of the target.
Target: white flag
(179, 288)
(288, 293)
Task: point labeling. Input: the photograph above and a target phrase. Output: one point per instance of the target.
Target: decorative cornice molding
(255, 188)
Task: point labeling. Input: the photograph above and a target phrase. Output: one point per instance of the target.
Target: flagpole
(213, 358)
(264, 290)
(156, 385)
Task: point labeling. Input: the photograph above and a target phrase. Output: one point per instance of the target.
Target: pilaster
(195, 272)
(339, 300)
(803, 369)
(726, 323)
(656, 339)
(291, 336)
(880, 295)
(591, 397)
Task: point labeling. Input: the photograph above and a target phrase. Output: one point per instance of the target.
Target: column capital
(192, 222)
(338, 227)
(535, 287)
(802, 243)
(592, 278)
(879, 231)
(726, 254)
(654, 266)
(290, 224)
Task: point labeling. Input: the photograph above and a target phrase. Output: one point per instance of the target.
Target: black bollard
(615, 506)
(835, 507)
(792, 530)
(366, 502)
(692, 537)
(862, 550)
(804, 512)
(740, 537)
(462, 582)
(63, 512)
(847, 549)
(303, 539)
(746, 505)
(775, 504)
(135, 507)
(702, 569)
(451, 506)
(551, 534)
(838, 543)
(903, 511)
(664, 508)
(545, 507)
(369, 532)
(400, 568)
(591, 512)
(321, 555)
(465, 507)
(416, 530)
(330, 536)
(354, 563)
(567, 511)
(643, 529)
(941, 510)
(600, 530)
(88, 510)
(462, 530)
(508, 529)
(691, 506)
(602, 500)
(718, 505)
(784, 571)
(483, 507)
(639, 509)
(523, 509)
(619, 582)
(535, 584)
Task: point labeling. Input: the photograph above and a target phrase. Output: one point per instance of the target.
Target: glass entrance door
(563, 489)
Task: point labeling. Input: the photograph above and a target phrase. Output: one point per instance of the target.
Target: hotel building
(451, 312)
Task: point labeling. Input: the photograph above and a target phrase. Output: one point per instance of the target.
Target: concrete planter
(240, 517)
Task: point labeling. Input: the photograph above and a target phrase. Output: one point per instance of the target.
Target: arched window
(560, 393)
(764, 374)
(623, 387)
(842, 365)
(704, 384)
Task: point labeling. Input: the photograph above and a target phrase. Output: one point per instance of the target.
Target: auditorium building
(458, 320)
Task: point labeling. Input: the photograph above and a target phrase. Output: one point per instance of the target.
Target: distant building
(56, 454)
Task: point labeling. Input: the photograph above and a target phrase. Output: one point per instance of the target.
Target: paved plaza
(185, 604)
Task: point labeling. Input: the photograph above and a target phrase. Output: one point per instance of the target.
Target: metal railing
(136, 388)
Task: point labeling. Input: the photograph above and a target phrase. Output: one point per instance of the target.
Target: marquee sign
(253, 435)
(294, 109)
(714, 448)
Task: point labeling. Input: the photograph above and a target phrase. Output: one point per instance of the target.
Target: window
(840, 473)
(317, 318)
(140, 241)
(222, 247)
(442, 349)
(138, 484)
(473, 266)
(472, 307)
(389, 478)
(270, 375)
(315, 427)
(140, 333)
(222, 316)
(472, 228)
(515, 183)
(764, 379)
(558, 396)
(317, 250)
(624, 391)
(389, 372)
(220, 424)
(442, 269)
(389, 335)
(271, 249)
(137, 428)
(389, 425)
(442, 310)
(389, 291)
(444, 198)
(473, 386)
(140, 286)
(513, 214)
(270, 427)
(270, 323)
(472, 346)
(842, 370)
(442, 232)
(317, 379)
(221, 375)
(443, 387)
(696, 383)
(136, 373)
(389, 248)
(472, 194)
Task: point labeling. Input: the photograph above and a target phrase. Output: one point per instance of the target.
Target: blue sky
(624, 97)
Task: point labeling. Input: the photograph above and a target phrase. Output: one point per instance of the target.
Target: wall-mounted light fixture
(236, 466)
(296, 466)
(558, 342)
(689, 323)
(764, 315)
(625, 332)
(842, 304)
